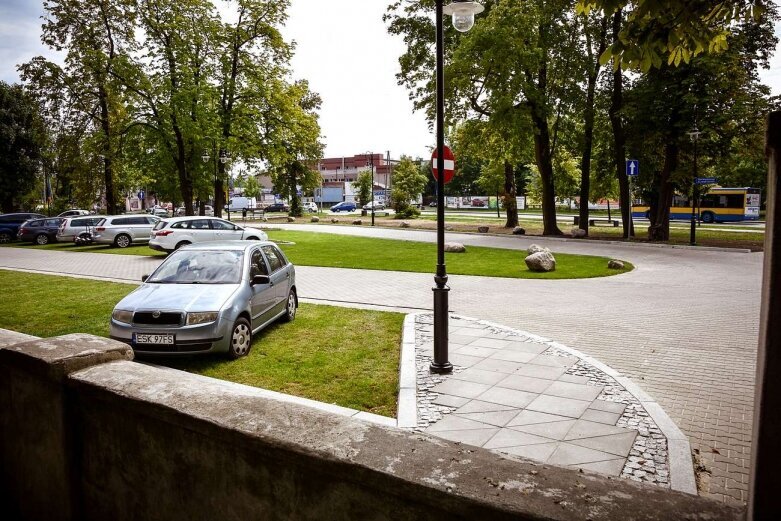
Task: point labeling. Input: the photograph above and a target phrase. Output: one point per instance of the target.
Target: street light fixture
(463, 19)
(224, 157)
(694, 135)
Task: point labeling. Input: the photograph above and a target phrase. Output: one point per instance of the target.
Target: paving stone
(558, 405)
(498, 418)
(500, 366)
(513, 356)
(538, 452)
(473, 350)
(554, 361)
(594, 415)
(453, 422)
(586, 429)
(519, 399)
(476, 437)
(525, 383)
(479, 376)
(618, 444)
(473, 332)
(464, 360)
(450, 401)
(553, 430)
(526, 347)
(460, 339)
(571, 378)
(540, 371)
(567, 454)
(528, 417)
(611, 467)
(603, 405)
(574, 391)
(511, 438)
(490, 342)
(461, 388)
(479, 406)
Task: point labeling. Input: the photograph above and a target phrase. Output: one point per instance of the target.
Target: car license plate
(144, 338)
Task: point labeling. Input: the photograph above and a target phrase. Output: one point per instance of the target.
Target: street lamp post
(694, 135)
(463, 13)
(224, 158)
(371, 159)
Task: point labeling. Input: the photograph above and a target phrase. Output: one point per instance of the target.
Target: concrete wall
(86, 433)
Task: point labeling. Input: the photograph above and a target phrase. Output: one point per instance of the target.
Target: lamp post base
(441, 365)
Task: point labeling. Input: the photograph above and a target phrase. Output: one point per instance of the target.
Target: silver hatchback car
(208, 298)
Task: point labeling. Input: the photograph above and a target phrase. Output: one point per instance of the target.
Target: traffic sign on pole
(450, 164)
(632, 167)
(141, 195)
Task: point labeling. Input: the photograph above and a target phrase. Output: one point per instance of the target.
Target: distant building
(338, 174)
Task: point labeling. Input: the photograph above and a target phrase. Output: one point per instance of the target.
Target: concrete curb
(407, 412)
(678, 448)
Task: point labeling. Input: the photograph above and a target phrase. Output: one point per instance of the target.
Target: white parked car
(123, 230)
(73, 213)
(171, 234)
(310, 207)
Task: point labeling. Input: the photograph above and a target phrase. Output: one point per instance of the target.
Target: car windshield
(200, 267)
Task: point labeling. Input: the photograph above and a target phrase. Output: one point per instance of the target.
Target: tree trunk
(660, 215)
(108, 164)
(542, 154)
(219, 185)
(510, 194)
(619, 139)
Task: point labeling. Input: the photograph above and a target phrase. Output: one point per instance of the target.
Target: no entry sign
(450, 164)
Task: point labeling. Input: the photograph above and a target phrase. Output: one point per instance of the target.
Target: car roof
(192, 217)
(226, 245)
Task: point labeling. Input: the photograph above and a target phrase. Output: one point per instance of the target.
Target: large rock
(578, 233)
(541, 261)
(455, 247)
(534, 248)
(615, 264)
(291, 219)
(404, 224)
(357, 222)
(315, 219)
(519, 231)
(482, 229)
(334, 220)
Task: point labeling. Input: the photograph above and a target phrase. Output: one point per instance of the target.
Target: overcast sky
(345, 52)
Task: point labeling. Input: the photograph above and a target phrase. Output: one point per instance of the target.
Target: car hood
(184, 297)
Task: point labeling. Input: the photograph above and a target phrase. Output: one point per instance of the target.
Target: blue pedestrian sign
(632, 167)
(705, 180)
(141, 194)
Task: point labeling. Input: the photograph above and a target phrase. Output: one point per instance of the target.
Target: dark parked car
(10, 222)
(343, 207)
(40, 231)
(277, 207)
(478, 203)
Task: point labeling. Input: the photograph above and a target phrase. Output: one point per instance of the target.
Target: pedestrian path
(522, 395)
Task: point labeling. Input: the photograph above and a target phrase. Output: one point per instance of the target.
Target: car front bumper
(213, 337)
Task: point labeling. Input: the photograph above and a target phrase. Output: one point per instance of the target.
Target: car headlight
(121, 315)
(201, 318)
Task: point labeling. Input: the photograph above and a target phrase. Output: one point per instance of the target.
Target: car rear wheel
(41, 239)
(290, 308)
(241, 339)
(183, 243)
(122, 240)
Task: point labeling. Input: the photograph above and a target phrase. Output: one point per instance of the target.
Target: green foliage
(363, 188)
(251, 187)
(22, 138)
(408, 184)
(408, 212)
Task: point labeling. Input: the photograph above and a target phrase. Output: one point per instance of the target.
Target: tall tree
(22, 137)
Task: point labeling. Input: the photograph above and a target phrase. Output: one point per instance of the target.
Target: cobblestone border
(661, 453)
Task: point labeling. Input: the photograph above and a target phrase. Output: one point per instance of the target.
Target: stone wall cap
(57, 357)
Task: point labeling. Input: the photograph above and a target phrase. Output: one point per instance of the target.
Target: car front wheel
(290, 309)
(122, 241)
(5, 237)
(241, 339)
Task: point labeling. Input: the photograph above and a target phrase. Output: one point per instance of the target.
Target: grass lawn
(342, 251)
(333, 355)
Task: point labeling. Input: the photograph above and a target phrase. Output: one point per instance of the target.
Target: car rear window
(34, 223)
(160, 225)
(89, 221)
(101, 222)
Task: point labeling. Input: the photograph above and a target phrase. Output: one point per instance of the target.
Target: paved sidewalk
(683, 325)
(522, 395)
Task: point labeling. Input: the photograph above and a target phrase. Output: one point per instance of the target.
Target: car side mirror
(144, 277)
(260, 279)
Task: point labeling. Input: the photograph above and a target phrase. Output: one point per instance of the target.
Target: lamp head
(463, 12)
(205, 156)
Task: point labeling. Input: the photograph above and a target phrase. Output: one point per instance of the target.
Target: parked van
(236, 204)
